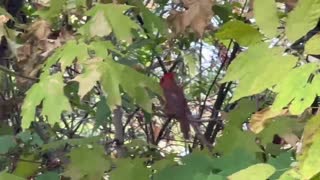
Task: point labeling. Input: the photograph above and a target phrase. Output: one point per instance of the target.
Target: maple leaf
(107, 18)
(134, 168)
(50, 92)
(87, 163)
(112, 75)
(259, 119)
(197, 15)
(67, 54)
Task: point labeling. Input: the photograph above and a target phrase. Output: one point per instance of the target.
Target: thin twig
(12, 73)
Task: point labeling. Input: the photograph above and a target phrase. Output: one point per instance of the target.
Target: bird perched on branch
(175, 102)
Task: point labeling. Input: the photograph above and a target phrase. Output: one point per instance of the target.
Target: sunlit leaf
(27, 167)
(297, 89)
(7, 176)
(50, 92)
(268, 22)
(243, 33)
(109, 18)
(312, 46)
(247, 68)
(113, 75)
(302, 19)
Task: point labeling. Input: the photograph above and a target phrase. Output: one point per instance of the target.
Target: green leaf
(193, 164)
(48, 176)
(296, 90)
(191, 62)
(268, 22)
(67, 54)
(30, 138)
(223, 11)
(233, 162)
(113, 75)
(50, 90)
(281, 163)
(7, 143)
(243, 33)
(290, 175)
(302, 19)
(54, 10)
(134, 169)
(233, 130)
(89, 163)
(107, 18)
(280, 126)
(27, 167)
(258, 171)
(101, 48)
(200, 176)
(103, 113)
(168, 161)
(247, 68)
(7, 176)
(151, 20)
(312, 46)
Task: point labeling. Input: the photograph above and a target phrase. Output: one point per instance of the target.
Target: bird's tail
(185, 127)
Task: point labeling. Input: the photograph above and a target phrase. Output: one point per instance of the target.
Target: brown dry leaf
(197, 16)
(291, 139)
(3, 19)
(35, 51)
(259, 119)
(40, 29)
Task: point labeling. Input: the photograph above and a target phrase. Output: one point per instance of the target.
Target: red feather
(176, 105)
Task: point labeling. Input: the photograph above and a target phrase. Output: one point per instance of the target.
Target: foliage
(80, 95)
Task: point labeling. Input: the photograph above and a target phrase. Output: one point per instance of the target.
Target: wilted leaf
(281, 126)
(309, 159)
(259, 119)
(197, 15)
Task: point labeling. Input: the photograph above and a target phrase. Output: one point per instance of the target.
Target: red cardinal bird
(176, 104)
